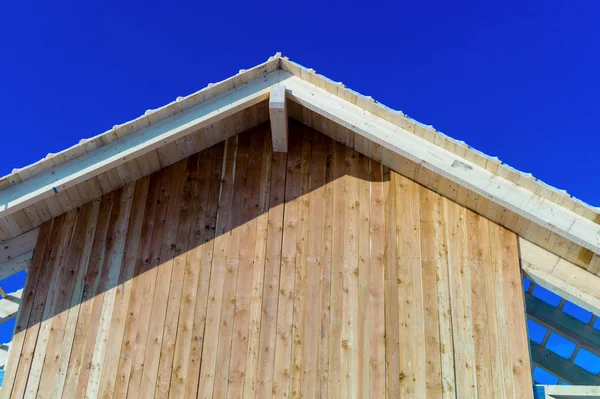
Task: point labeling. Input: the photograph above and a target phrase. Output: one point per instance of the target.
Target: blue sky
(516, 80)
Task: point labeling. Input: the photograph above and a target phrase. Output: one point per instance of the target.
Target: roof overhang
(550, 220)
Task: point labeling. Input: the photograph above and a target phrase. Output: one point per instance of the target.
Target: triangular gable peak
(557, 231)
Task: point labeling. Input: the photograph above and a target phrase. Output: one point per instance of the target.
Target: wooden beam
(383, 134)
(136, 144)
(18, 245)
(566, 325)
(15, 265)
(279, 118)
(560, 367)
(560, 276)
(571, 392)
(9, 306)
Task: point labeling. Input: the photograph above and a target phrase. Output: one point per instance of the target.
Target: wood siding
(239, 272)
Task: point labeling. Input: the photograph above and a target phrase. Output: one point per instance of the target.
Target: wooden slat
(217, 277)
(298, 339)
(163, 279)
(207, 241)
(223, 355)
(239, 344)
(124, 290)
(285, 310)
(268, 326)
(199, 191)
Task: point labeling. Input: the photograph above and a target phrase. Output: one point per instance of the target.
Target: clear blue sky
(520, 81)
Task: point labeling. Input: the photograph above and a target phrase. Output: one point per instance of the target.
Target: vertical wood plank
(187, 216)
(377, 372)
(138, 294)
(192, 273)
(300, 269)
(217, 278)
(239, 344)
(336, 372)
(260, 253)
(207, 250)
(285, 309)
(232, 266)
(268, 327)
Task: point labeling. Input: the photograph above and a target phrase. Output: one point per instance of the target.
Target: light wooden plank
(429, 251)
(268, 326)
(336, 371)
(200, 182)
(464, 347)
(325, 266)
(444, 301)
(481, 332)
(502, 310)
(376, 338)
(571, 392)
(163, 279)
(314, 253)
(299, 316)
(260, 252)
(364, 293)
(131, 379)
(57, 265)
(66, 283)
(239, 344)
(285, 310)
(123, 292)
(513, 297)
(187, 218)
(202, 297)
(217, 278)
(240, 185)
(123, 369)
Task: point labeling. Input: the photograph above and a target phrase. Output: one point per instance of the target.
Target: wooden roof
(558, 228)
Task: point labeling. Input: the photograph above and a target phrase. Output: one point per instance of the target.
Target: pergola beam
(571, 392)
(279, 118)
(566, 325)
(555, 364)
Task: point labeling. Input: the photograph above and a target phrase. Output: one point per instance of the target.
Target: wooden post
(279, 118)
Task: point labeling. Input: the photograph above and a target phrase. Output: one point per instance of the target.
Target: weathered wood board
(240, 272)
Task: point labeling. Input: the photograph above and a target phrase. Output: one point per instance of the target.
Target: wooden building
(279, 235)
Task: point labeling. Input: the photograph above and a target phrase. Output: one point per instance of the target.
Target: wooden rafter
(566, 325)
(559, 366)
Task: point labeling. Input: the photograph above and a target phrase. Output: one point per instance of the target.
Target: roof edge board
(560, 197)
(520, 200)
(137, 143)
